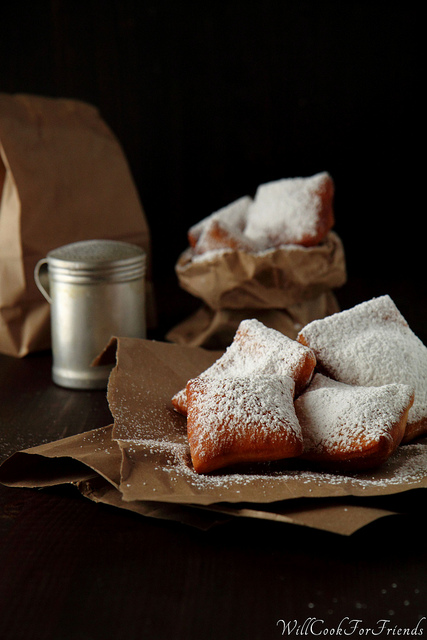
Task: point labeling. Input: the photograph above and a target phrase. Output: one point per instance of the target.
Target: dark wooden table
(71, 569)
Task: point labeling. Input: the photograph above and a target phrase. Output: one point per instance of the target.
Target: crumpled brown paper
(215, 329)
(285, 288)
(142, 461)
(271, 279)
(63, 178)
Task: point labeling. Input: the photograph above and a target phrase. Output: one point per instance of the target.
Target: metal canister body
(96, 289)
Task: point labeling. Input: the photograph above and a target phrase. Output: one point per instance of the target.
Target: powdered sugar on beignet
(262, 350)
(292, 211)
(232, 217)
(371, 344)
(221, 235)
(233, 420)
(350, 426)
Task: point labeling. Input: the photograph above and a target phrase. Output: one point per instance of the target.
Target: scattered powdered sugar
(405, 469)
(336, 417)
(371, 344)
(288, 208)
(241, 414)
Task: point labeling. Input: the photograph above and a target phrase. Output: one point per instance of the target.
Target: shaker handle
(41, 278)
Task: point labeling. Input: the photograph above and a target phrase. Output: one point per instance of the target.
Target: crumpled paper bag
(284, 287)
(63, 178)
(215, 329)
(142, 461)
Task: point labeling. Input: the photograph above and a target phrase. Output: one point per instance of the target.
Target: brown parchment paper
(92, 462)
(63, 178)
(156, 463)
(142, 461)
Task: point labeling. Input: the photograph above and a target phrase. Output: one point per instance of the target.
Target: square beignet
(232, 217)
(371, 344)
(352, 427)
(233, 420)
(292, 211)
(220, 235)
(259, 349)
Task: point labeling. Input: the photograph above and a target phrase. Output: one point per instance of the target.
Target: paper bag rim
(275, 278)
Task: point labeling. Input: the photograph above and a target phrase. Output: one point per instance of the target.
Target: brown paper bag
(215, 329)
(285, 288)
(63, 178)
(271, 279)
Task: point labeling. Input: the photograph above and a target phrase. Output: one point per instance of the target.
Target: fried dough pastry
(371, 344)
(292, 211)
(257, 349)
(226, 223)
(352, 427)
(233, 420)
(220, 235)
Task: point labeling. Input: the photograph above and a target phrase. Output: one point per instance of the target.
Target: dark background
(211, 99)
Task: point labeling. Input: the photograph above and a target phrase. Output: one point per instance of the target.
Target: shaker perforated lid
(97, 259)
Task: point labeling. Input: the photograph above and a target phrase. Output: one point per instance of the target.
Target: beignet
(371, 344)
(231, 217)
(259, 349)
(292, 211)
(352, 427)
(220, 235)
(234, 420)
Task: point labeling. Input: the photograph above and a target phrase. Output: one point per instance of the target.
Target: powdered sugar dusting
(287, 208)
(287, 211)
(259, 349)
(371, 344)
(232, 217)
(337, 417)
(241, 413)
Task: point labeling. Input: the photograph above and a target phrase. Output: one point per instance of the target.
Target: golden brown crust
(415, 430)
(217, 236)
(370, 455)
(229, 422)
(349, 427)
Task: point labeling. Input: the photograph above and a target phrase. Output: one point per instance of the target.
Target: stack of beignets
(346, 394)
(241, 408)
(287, 211)
(258, 349)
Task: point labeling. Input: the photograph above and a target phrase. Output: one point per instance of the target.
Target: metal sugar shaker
(96, 289)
